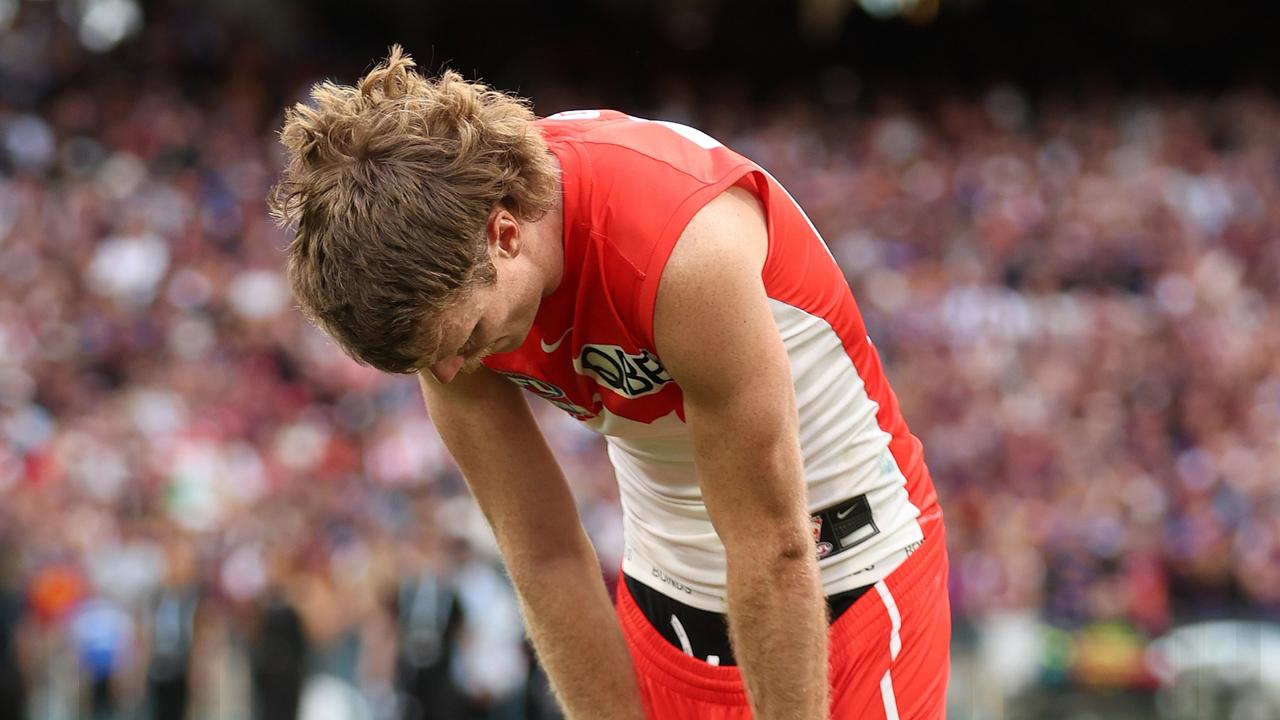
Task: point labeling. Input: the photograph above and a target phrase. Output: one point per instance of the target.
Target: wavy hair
(388, 186)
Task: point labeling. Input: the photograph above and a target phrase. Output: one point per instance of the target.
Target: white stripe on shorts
(895, 638)
(682, 635)
(886, 694)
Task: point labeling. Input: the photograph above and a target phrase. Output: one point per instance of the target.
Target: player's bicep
(711, 299)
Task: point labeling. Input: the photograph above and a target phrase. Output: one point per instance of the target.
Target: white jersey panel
(670, 542)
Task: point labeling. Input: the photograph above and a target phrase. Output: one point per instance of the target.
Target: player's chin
(473, 364)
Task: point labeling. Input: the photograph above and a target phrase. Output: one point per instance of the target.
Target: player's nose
(447, 369)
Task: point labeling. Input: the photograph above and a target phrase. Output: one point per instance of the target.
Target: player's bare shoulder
(711, 308)
(732, 226)
(727, 235)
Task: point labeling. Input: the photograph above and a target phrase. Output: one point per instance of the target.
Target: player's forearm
(576, 634)
(778, 626)
(753, 484)
(527, 502)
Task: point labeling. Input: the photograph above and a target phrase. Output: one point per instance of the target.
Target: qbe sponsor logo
(628, 375)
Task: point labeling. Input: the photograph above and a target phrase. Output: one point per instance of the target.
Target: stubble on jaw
(476, 361)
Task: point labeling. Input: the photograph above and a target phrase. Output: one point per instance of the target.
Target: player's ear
(503, 232)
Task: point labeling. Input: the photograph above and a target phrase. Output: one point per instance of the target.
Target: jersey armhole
(745, 176)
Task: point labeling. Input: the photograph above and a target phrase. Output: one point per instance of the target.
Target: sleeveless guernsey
(630, 186)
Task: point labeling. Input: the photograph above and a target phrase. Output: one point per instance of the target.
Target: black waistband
(707, 633)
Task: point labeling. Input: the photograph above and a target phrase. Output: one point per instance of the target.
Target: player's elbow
(791, 548)
(776, 545)
(790, 564)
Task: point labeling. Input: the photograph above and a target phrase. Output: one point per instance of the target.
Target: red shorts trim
(879, 667)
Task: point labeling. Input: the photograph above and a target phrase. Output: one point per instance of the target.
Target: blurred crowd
(204, 505)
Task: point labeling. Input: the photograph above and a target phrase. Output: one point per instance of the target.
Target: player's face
(492, 319)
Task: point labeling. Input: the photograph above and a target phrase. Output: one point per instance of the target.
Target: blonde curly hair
(389, 186)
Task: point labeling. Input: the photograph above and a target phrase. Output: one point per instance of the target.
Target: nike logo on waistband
(556, 345)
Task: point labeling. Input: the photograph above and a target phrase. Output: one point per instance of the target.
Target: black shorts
(707, 631)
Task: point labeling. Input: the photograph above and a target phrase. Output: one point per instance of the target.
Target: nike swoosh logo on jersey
(845, 514)
(556, 345)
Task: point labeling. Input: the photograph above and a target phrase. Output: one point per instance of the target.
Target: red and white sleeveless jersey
(630, 187)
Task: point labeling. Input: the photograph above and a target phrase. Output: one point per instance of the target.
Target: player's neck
(549, 232)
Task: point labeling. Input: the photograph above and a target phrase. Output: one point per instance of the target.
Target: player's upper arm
(489, 429)
(716, 336)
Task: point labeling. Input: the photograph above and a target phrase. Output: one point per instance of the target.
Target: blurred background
(1061, 221)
